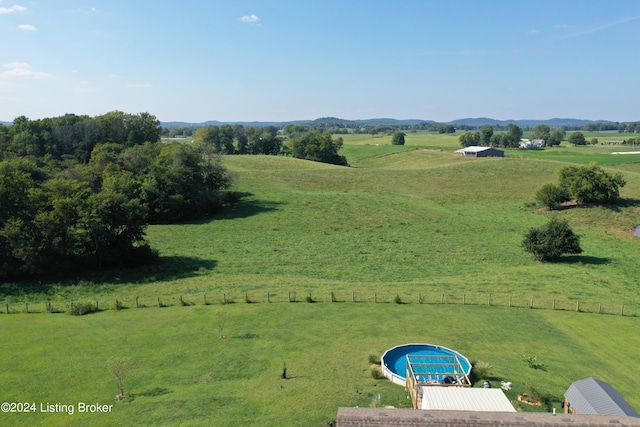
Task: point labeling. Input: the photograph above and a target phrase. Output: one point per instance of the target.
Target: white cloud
(140, 85)
(22, 70)
(27, 27)
(250, 19)
(533, 32)
(14, 8)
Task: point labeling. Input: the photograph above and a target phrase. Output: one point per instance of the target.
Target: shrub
(81, 308)
(481, 369)
(550, 241)
(376, 374)
(397, 299)
(374, 359)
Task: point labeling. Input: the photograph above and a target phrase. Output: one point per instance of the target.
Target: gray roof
(391, 417)
(591, 396)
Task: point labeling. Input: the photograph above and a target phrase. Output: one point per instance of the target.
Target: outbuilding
(475, 151)
(594, 397)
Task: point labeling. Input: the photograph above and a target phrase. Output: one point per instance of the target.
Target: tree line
(297, 141)
(77, 193)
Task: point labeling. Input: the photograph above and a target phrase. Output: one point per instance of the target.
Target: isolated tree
(221, 321)
(552, 196)
(120, 367)
(551, 240)
(398, 138)
(577, 138)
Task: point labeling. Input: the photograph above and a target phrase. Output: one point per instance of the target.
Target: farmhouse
(594, 397)
(529, 144)
(615, 142)
(475, 151)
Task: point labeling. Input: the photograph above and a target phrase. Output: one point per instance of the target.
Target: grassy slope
(402, 220)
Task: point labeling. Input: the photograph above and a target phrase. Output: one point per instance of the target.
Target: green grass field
(406, 221)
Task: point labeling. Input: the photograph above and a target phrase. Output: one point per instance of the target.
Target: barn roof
(473, 149)
(591, 396)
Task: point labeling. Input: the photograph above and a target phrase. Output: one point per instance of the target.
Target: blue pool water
(395, 360)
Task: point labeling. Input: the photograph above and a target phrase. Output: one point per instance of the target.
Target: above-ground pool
(394, 361)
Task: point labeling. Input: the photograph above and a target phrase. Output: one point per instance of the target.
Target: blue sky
(276, 60)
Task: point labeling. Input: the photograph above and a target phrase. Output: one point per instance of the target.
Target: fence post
(353, 297)
(489, 300)
(205, 299)
(224, 298)
(419, 298)
(509, 300)
(181, 301)
(554, 304)
(442, 299)
(531, 305)
(289, 296)
(621, 310)
(7, 308)
(159, 304)
(26, 305)
(268, 297)
(577, 305)
(97, 308)
(375, 297)
(464, 299)
(137, 303)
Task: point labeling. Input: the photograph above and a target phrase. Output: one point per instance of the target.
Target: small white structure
(529, 144)
(465, 399)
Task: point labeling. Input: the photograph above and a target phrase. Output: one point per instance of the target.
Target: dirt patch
(529, 400)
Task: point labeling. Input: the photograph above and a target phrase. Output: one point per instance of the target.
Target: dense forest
(77, 192)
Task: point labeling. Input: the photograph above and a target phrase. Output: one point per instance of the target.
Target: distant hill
(553, 123)
(332, 120)
(474, 122)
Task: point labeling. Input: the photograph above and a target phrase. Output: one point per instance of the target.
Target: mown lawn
(185, 374)
(402, 221)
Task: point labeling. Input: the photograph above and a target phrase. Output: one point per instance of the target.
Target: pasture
(401, 222)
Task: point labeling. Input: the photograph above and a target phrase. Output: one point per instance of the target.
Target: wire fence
(84, 306)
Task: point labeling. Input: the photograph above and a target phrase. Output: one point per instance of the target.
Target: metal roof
(465, 399)
(473, 149)
(591, 396)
